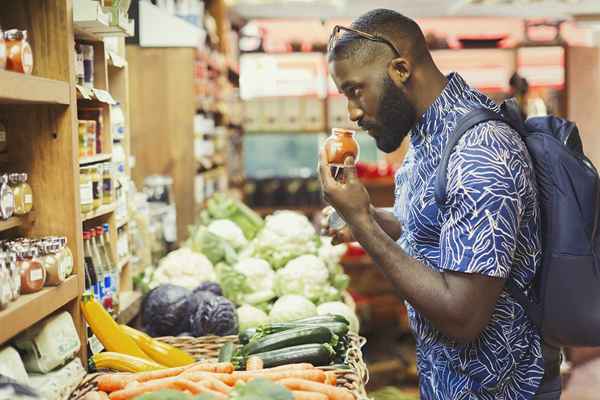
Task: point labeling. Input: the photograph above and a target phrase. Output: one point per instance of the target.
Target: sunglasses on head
(337, 33)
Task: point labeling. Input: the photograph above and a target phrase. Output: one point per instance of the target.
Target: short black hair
(404, 32)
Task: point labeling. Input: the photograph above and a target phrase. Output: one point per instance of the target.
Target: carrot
(312, 375)
(292, 367)
(254, 364)
(197, 388)
(148, 387)
(334, 393)
(95, 396)
(224, 368)
(302, 395)
(330, 378)
(111, 382)
(200, 376)
(217, 385)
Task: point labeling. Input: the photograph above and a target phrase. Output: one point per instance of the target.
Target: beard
(395, 118)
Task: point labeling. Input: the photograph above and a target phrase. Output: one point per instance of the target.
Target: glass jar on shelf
(23, 195)
(2, 50)
(86, 194)
(18, 52)
(107, 183)
(97, 194)
(33, 274)
(7, 198)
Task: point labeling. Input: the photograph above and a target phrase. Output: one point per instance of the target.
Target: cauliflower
(306, 275)
(229, 231)
(330, 254)
(183, 267)
(258, 272)
(292, 308)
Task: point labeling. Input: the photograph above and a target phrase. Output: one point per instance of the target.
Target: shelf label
(104, 96)
(85, 92)
(95, 345)
(116, 59)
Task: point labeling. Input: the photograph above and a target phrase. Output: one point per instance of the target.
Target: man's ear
(399, 71)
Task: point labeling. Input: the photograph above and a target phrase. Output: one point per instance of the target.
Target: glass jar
(5, 286)
(340, 145)
(19, 54)
(83, 143)
(91, 138)
(86, 195)
(49, 258)
(107, 192)
(7, 199)
(2, 51)
(15, 275)
(33, 274)
(96, 187)
(65, 256)
(22, 193)
(3, 137)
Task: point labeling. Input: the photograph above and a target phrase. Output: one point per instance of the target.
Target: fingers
(349, 169)
(324, 171)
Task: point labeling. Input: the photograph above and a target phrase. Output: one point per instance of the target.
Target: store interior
(151, 146)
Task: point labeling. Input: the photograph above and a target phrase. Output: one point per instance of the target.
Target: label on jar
(36, 274)
(63, 268)
(95, 190)
(28, 199)
(85, 193)
(95, 345)
(107, 185)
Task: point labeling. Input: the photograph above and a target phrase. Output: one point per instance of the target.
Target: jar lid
(14, 178)
(15, 34)
(23, 177)
(4, 178)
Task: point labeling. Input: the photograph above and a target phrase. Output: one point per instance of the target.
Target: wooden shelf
(103, 210)
(90, 22)
(30, 308)
(122, 223)
(94, 159)
(27, 89)
(15, 222)
(130, 304)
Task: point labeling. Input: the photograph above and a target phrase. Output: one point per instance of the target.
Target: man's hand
(350, 198)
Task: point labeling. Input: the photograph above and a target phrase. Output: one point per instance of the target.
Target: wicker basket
(207, 348)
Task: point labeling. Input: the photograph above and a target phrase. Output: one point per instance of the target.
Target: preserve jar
(19, 54)
(65, 256)
(340, 145)
(96, 187)
(48, 249)
(83, 142)
(33, 274)
(5, 286)
(22, 193)
(86, 196)
(2, 50)
(107, 192)
(3, 137)
(7, 200)
(15, 274)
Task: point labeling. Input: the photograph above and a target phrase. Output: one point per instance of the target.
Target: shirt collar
(434, 116)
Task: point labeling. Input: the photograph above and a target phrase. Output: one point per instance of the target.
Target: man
(451, 262)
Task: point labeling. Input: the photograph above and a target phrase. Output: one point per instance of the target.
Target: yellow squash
(123, 362)
(107, 330)
(160, 352)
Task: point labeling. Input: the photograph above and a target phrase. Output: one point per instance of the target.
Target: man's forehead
(344, 71)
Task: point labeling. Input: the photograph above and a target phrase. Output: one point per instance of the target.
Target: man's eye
(355, 92)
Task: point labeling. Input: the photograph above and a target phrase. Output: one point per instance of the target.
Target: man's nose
(355, 113)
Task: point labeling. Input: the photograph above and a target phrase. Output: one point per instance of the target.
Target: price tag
(104, 96)
(95, 345)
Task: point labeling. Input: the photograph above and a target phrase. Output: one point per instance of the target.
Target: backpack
(563, 301)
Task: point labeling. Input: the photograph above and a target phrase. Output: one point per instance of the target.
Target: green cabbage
(291, 308)
(251, 317)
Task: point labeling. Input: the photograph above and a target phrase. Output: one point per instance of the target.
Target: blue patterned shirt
(490, 225)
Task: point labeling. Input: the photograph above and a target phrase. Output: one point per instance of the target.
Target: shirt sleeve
(485, 188)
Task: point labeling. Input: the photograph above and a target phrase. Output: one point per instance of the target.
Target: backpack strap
(464, 124)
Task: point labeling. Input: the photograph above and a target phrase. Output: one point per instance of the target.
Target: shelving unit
(40, 113)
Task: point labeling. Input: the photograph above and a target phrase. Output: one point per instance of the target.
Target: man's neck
(432, 86)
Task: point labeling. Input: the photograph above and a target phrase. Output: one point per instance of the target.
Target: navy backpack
(564, 299)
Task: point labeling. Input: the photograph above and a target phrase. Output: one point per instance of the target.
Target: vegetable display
(183, 267)
(166, 309)
(251, 317)
(292, 308)
(215, 315)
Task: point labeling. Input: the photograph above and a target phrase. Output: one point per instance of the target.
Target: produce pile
(273, 361)
(238, 271)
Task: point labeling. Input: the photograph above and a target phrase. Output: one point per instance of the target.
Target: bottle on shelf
(89, 265)
(110, 278)
(115, 272)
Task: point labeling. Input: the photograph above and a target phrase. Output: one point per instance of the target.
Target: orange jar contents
(22, 193)
(340, 145)
(19, 54)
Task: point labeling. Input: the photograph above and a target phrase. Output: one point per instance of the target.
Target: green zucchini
(291, 337)
(316, 354)
(339, 328)
(323, 318)
(226, 352)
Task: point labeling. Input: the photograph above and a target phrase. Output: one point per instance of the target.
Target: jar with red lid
(2, 50)
(18, 52)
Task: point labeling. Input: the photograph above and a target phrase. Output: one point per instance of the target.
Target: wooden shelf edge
(130, 305)
(14, 222)
(122, 223)
(95, 159)
(103, 210)
(30, 308)
(122, 263)
(18, 88)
